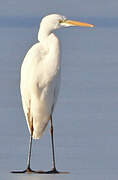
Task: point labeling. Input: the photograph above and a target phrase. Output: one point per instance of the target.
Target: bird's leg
(29, 155)
(28, 169)
(30, 146)
(52, 144)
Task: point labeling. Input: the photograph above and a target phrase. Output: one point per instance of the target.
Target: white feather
(40, 79)
(40, 74)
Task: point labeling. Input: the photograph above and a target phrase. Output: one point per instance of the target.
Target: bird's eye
(61, 21)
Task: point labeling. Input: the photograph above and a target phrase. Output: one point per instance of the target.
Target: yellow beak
(77, 23)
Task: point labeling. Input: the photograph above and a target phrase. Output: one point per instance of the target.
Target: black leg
(53, 170)
(52, 144)
(29, 154)
(28, 169)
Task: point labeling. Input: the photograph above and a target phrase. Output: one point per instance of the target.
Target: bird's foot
(28, 170)
(53, 171)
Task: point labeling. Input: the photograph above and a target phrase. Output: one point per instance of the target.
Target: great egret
(40, 81)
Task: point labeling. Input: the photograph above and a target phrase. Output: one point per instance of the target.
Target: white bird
(40, 80)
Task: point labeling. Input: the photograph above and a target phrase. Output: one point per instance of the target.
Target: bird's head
(56, 21)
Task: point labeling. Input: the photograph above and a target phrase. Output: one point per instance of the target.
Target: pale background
(86, 115)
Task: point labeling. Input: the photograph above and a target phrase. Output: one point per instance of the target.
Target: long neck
(52, 59)
(50, 46)
(49, 42)
(43, 33)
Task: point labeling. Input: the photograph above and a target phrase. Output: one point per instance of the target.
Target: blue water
(86, 115)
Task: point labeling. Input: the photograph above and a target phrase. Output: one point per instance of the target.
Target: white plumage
(40, 74)
(40, 81)
(40, 77)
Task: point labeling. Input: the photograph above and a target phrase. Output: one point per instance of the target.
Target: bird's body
(40, 80)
